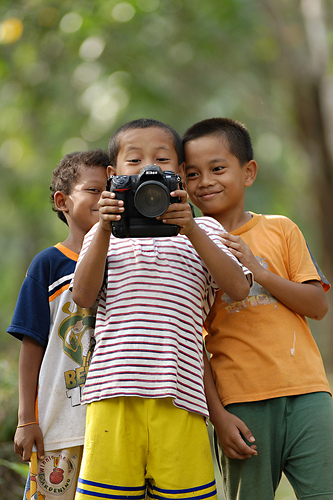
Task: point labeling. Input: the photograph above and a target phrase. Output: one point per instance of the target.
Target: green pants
(293, 435)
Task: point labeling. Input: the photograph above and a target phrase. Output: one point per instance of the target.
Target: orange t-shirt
(260, 348)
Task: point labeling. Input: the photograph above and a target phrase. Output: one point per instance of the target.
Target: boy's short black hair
(236, 133)
(143, 123)
(67, 173)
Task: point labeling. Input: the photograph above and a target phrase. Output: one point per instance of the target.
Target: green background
(72, 72)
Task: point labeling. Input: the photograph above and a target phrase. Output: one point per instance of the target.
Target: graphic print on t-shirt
(76, 332)
(258, 295)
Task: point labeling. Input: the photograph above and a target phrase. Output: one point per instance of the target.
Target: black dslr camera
(146, 196)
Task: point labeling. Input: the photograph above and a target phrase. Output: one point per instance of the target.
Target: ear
(110, 170)
(251, 169)
(60, 201)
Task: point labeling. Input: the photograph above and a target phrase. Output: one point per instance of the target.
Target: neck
(231, 222)
(73, 244)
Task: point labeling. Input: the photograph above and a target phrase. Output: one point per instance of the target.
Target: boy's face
(82, 202)
(215, 180)
(146, 146)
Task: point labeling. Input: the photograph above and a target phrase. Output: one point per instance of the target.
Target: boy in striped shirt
(146, 432)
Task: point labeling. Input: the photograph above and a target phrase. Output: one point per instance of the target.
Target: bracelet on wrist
(24, 425)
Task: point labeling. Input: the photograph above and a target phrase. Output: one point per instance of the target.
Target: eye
(134, 160)
(191, 175)
(220, 168)
(162, 159)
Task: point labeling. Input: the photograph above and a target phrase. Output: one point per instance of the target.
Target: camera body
(145, 196)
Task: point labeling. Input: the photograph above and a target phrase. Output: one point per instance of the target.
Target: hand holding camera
(110, 209)
(180, 214)
(141, 200)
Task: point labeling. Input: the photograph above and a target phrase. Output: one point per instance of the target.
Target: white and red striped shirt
(149, 320)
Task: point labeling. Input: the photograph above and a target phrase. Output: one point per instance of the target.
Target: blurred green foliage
(73, 71)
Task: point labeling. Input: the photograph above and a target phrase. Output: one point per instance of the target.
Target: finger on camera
(180, 193)
(107, 218)
(171, 210)
(178, 220)
(181, 208)
(110, 202)
(172, 215)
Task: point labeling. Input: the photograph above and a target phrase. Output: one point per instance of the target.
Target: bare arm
(89, 273)
(226, 272)
(307, 299)
(229, 428)
(31, 356)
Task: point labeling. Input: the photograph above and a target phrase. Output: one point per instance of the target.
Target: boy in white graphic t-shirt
(56, 337)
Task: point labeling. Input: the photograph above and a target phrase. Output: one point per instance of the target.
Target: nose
(206, 180)
(148, 161)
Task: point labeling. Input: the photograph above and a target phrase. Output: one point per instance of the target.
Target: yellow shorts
(138, 447)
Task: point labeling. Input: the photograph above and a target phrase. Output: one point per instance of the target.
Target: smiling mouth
(207, 196)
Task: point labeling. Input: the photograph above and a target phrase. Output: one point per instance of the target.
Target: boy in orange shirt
(267, 368)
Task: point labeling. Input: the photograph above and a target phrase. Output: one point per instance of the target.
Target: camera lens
(151, 199)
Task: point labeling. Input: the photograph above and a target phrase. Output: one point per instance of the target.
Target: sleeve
(324, 281)
(302, 265)
(32, 313)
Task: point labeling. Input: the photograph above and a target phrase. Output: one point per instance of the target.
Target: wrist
(104, 228)
(192, 231)
(27, 416)
(259, 274)
(34, 422)
(216, 412)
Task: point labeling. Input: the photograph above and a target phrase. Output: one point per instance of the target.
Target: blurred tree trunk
(305, 63)
(314, 106)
